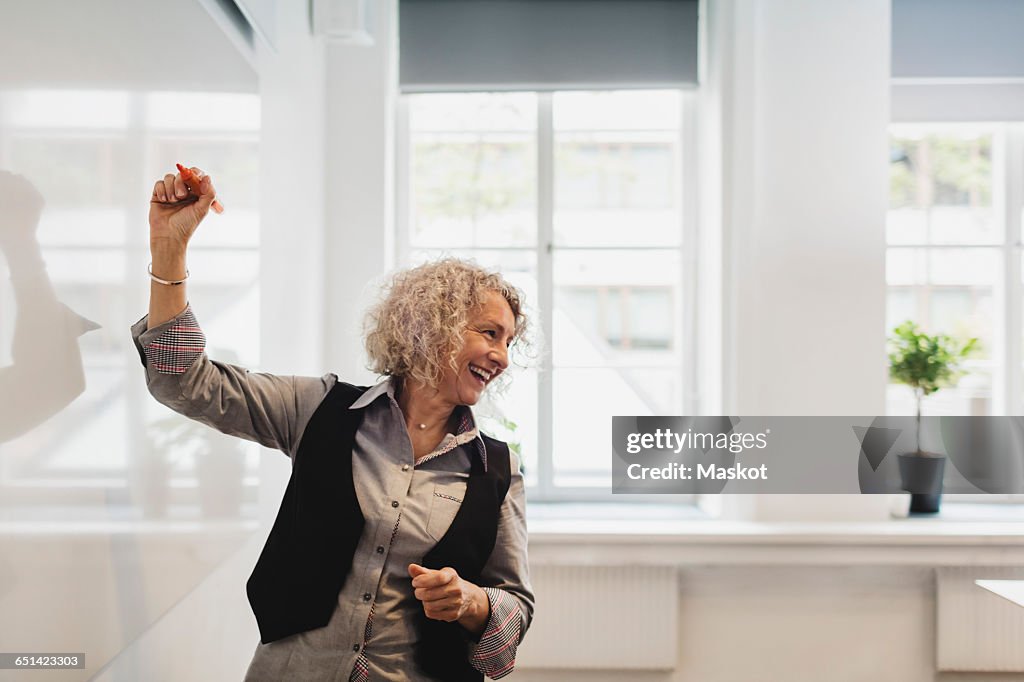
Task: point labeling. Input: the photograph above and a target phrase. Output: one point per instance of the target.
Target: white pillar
(804, 113)
(292, 194)
(362, 85)
(795, 110)
(328, 91)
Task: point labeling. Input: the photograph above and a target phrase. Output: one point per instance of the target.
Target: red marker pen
(192, 180)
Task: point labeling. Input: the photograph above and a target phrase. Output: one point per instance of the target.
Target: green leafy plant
(496, 424)
(926, 363)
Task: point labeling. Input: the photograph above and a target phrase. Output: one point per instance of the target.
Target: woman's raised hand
(179, 203)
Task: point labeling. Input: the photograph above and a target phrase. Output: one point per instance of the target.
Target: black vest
(295, 584)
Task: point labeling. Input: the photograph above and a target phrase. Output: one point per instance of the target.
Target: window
(954, 259)
(577, 197)
(954, 250)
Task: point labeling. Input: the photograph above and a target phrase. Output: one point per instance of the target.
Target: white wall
(774, 624)
(794, 116)
(294, 200)
(805, 112)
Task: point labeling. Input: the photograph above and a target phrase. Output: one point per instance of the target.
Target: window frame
(1008, 290)
(545, 489)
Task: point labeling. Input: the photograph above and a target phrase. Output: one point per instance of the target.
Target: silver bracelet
(173, 283)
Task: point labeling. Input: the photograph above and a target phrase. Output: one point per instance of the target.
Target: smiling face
(486, 340)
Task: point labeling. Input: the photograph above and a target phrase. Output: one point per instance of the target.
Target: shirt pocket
(444, 505)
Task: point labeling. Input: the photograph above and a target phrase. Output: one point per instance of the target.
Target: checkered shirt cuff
(178, 346)
(495, 654)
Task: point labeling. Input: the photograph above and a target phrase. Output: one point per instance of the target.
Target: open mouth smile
(480, 374)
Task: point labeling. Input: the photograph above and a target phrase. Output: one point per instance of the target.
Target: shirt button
(405, 467)
(394, 504)
(355, 647)
(366, 596)
(380, 549)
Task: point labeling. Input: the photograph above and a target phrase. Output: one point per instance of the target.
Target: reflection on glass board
(112, 509)
(111, 514)
(45, 374)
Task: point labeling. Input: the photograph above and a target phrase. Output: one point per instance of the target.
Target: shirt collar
(470, 433)
(467, 424)
(466, 421)
(385, 385)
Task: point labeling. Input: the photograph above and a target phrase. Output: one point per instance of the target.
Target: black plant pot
(921, 476)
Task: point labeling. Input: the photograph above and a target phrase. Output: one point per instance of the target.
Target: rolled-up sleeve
(269, 409)
(177, 346)
(506, 581)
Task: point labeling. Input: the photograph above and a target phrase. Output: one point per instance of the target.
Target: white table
(1012, 590)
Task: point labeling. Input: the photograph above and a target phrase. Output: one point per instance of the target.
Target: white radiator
(977, 630)
(623, 618)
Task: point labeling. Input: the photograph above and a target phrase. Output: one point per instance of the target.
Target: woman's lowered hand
(446, 596)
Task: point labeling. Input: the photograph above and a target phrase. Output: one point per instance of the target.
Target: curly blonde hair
(415, 330)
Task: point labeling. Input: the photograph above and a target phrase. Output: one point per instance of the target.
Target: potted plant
(925, 363)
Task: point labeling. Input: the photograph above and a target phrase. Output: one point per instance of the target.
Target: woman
(399, 551)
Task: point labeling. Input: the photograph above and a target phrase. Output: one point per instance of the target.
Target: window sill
(961, 535)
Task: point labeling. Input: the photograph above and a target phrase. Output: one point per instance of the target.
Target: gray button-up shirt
(407, 506)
